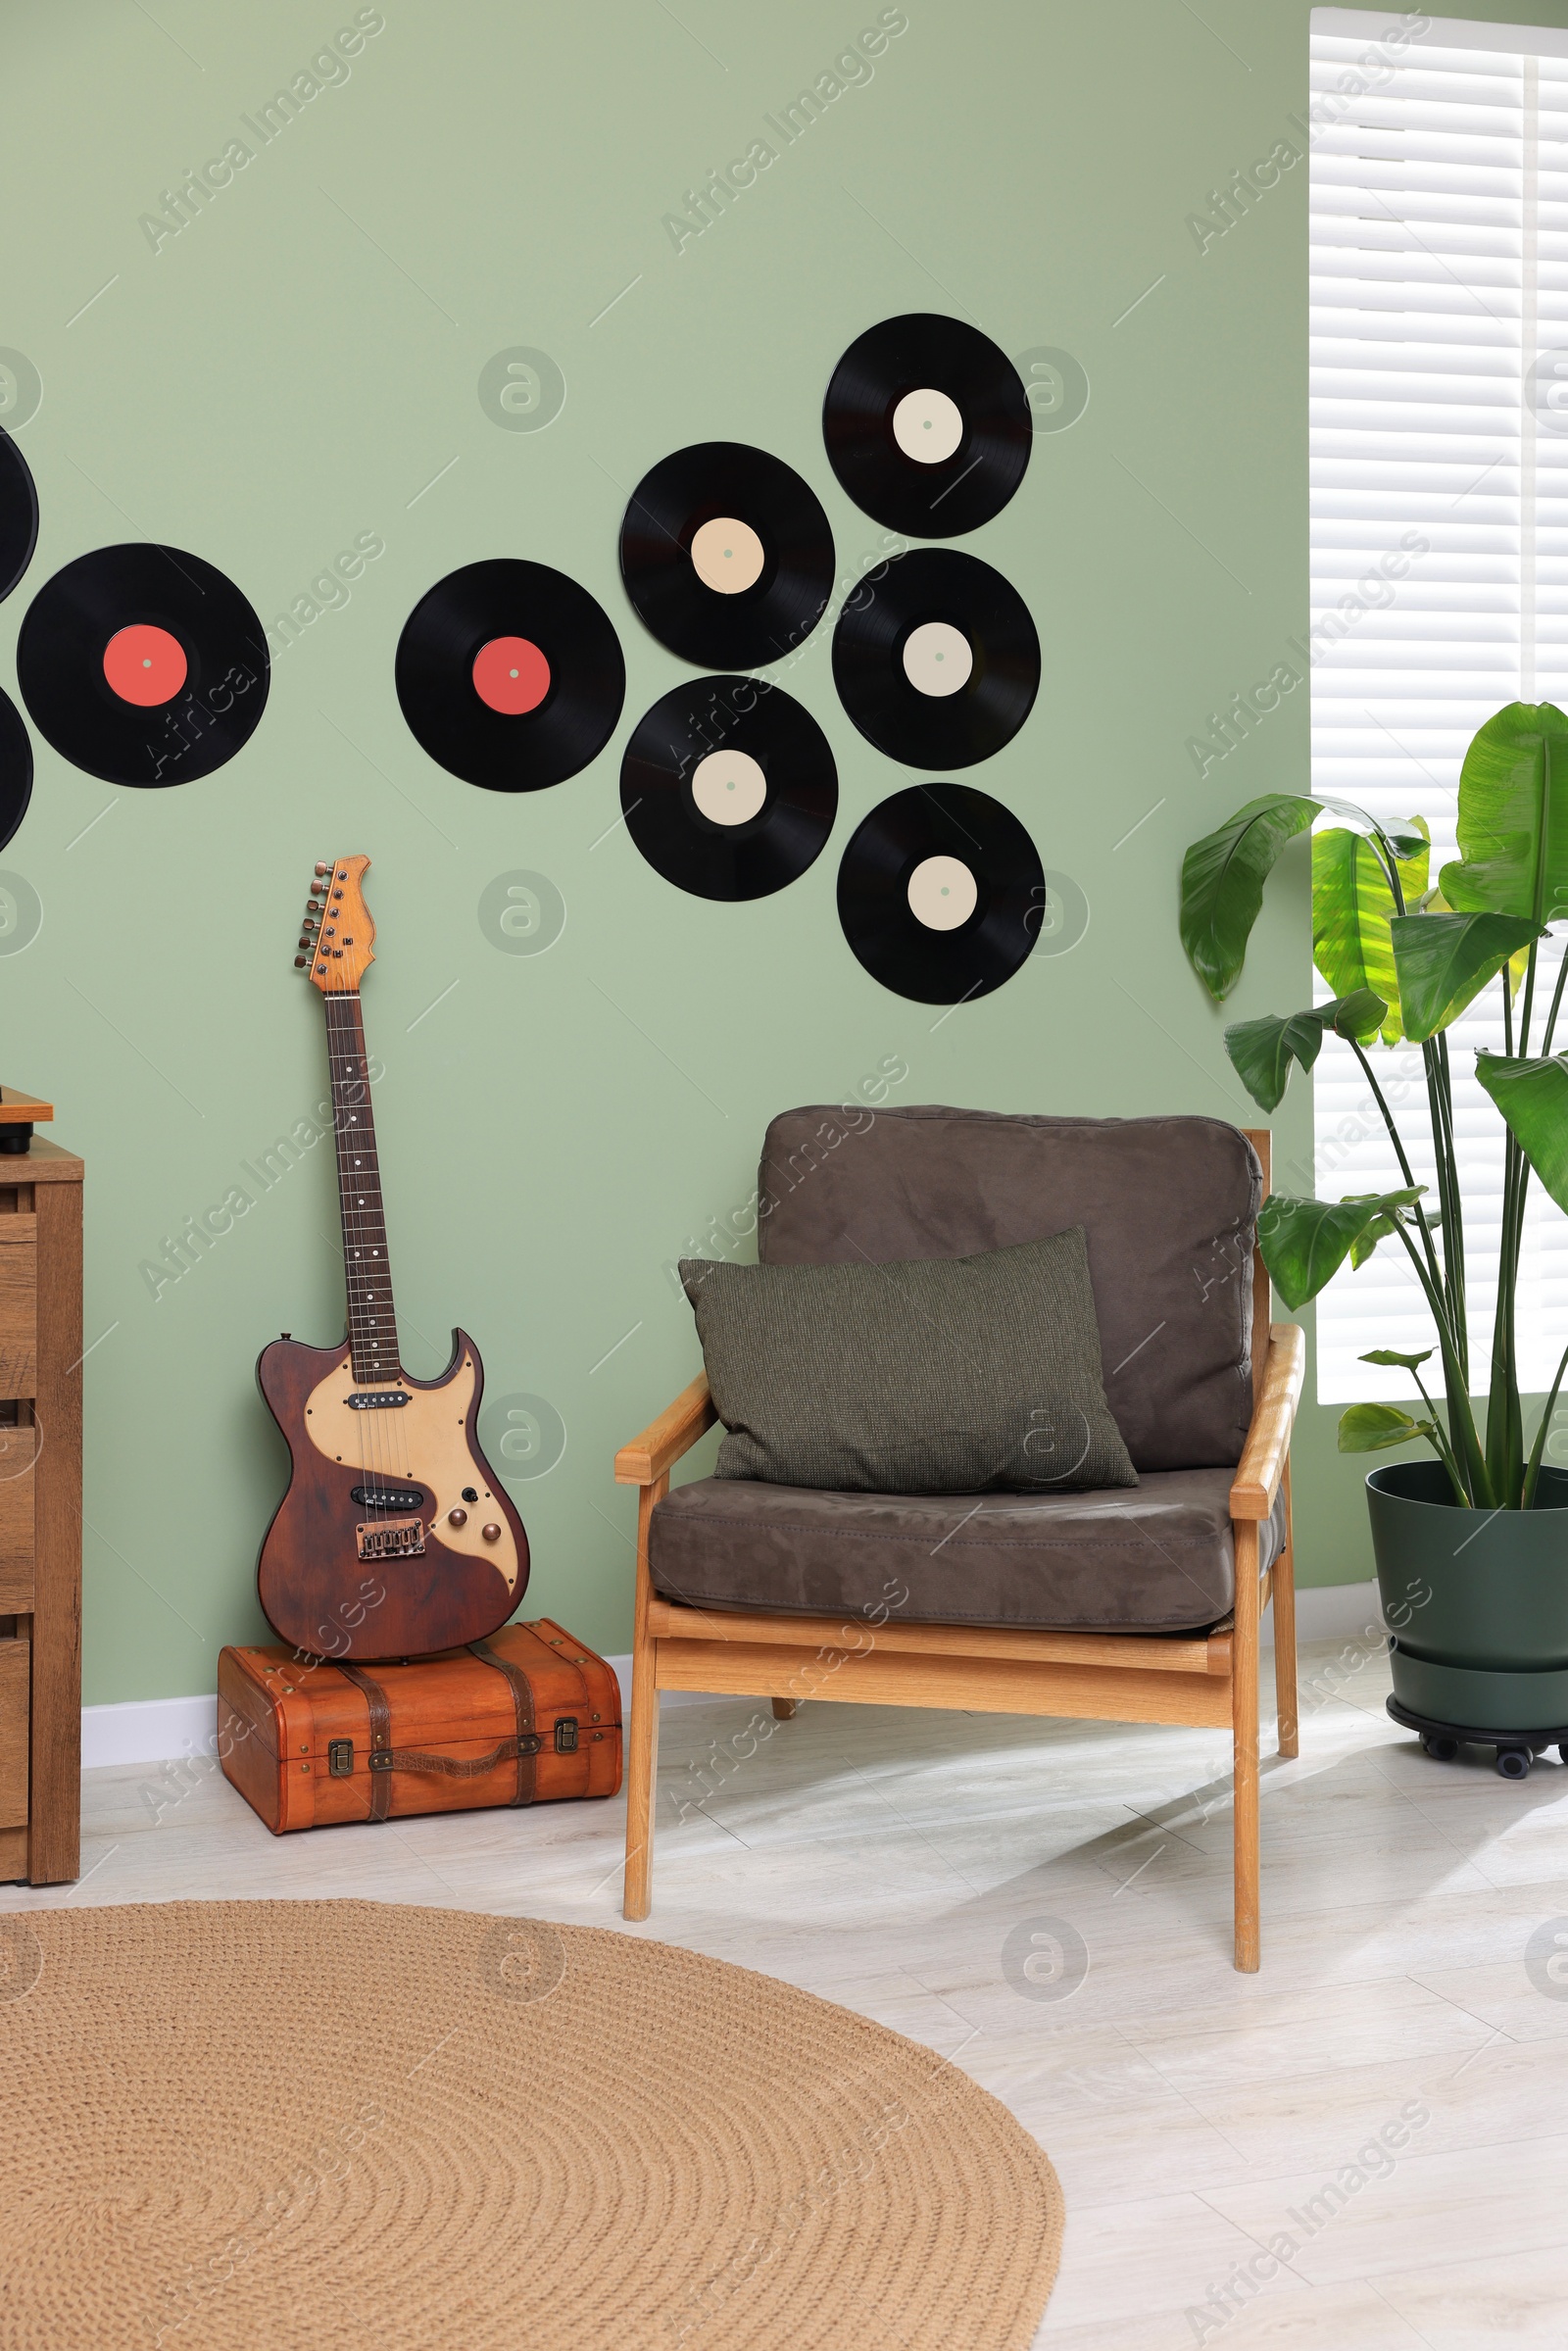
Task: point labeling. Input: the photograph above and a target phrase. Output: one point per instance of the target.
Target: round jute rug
(304, 2125)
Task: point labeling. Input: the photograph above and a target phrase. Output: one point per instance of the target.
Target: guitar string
(371, 1278)
(348, 1102)
(333, 995)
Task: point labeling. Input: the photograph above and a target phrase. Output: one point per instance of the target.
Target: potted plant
(1471, 1550)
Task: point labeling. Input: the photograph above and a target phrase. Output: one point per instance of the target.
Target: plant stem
(1440, 1100)
(1441, 1445)
(1461, 1420)
(1537, 1450)
(1402, 1155)
(1557, 999)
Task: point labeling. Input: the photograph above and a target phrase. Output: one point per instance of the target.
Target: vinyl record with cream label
(938, 893)
(927, 425)
(728, 788)
(937, 662)
(726, 555)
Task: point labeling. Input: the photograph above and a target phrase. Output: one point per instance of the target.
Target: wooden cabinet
(40, 1513)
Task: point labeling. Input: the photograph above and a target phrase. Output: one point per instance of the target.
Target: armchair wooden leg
(1244, 1729)
(642, 1736)
(784, 1709)
(1287, 1704)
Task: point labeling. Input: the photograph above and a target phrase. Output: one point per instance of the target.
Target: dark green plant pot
(1476, 1601)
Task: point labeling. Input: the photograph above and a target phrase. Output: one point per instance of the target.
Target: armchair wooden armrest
(648, 1457)
(1268, 1440)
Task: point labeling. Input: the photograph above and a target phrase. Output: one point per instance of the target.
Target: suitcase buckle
(566, 1735)
(340, 1758)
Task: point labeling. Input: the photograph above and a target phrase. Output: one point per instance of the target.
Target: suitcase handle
(410, 1759)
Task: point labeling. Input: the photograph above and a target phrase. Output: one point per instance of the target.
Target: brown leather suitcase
(526, 1717)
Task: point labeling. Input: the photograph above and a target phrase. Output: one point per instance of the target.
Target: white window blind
(1439, 170)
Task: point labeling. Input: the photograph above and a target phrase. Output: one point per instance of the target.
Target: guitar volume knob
(457, 1518)
(491, 1532)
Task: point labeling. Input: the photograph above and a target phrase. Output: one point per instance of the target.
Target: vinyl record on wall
(729, 788)
(927, 425)
(510, 674)
(940, 664)
(940, 890)
(19, 514)
(726, 555)
(15, 768)
(143, 665)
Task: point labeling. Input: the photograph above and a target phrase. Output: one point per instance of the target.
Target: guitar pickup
(391, 1539)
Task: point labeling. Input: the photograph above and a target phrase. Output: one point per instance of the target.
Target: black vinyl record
(938, 662)
(143, 665)
(510, 674)
(19, 514)
(940, 893)
(729, 788)
(726, 555)
(927, 425)
(15, 768)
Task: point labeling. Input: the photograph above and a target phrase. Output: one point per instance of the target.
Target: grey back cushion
(954, 1375)
(1168, 1207)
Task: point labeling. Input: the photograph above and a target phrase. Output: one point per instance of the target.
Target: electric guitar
(395, 1537)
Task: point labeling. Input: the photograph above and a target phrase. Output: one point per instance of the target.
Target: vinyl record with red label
(510, 674)
(19, 514)
(143, 665)
(729, 788)
(726, 555)
(15, 768)
(940, 894)
(937, 662)
(927, 425)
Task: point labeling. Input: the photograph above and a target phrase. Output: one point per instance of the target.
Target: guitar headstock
(336, 932)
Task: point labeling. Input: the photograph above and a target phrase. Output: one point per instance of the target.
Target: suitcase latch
(340, 1758)
(566, 1735)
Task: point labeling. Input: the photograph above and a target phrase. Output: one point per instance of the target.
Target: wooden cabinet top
(42, 1163)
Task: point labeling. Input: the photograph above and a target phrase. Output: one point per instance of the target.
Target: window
(1439, 168)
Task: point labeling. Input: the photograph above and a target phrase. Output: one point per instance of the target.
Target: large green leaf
(1513, 816)
(1532, 1096)
(1442, 961)
(1351, 907)
(1304, 1242)
(1261, 1051)
(1222, 884)
(1372, 1427)
(1391, 1354)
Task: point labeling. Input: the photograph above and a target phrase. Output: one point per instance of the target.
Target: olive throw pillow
(937, 1375)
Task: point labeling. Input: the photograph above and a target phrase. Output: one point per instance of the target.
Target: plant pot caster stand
(1516, 1749)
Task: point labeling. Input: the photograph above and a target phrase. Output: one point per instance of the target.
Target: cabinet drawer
(17, 1447)
(19, 1305)
(14, 1684)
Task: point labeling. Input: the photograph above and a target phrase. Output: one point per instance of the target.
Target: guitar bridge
(391, 1539)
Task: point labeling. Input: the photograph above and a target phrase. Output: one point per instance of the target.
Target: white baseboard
(166, 1729)
(1332, 1612)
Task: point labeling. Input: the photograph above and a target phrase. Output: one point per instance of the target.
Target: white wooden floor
(883, 1858)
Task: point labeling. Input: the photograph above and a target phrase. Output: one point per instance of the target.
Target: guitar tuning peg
(321, 869)
(301, 962)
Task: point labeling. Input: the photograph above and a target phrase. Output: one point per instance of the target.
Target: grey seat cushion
(1169, 1206)
(1153, 1558)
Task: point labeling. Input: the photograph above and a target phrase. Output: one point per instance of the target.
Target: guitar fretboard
(373, 1322)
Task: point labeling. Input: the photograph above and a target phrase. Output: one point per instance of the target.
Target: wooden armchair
(1052, 1174)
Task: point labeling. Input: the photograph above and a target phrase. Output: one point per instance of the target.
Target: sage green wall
(300, 366)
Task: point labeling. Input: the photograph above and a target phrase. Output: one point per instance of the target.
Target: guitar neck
(368, 1272)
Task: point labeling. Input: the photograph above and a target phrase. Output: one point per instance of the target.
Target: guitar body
(377, 1549)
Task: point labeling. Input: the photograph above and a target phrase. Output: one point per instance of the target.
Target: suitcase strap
(526, 1743)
